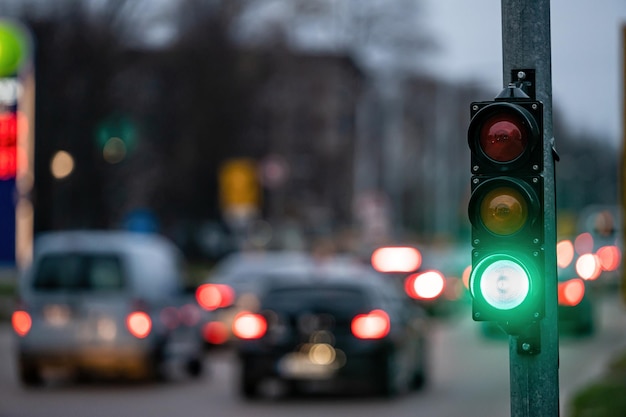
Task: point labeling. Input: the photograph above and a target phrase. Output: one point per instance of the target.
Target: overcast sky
(586, 55)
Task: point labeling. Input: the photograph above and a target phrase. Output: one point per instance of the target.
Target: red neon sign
(8, 145)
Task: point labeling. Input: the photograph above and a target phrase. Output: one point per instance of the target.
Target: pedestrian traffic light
(505, 137)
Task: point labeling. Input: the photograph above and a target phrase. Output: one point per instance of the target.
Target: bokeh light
(62, 165)
(564, 253)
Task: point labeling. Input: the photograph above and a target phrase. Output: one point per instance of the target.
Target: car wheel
(194, 367)
(248, 384)
(419, 377)
(156, 364)
(390, 383)
(29, 373)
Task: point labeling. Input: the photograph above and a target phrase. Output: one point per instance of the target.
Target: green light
(13, 48)
(503, 282)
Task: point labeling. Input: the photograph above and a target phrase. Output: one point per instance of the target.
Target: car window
(341, 301)
(79, 272)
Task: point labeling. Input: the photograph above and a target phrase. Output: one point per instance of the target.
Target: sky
(587, 71)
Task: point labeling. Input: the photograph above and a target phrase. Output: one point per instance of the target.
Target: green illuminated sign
(13, 48)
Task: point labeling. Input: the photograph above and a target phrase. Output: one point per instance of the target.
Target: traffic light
(505, 137)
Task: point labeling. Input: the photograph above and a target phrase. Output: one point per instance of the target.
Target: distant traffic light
(505, 137)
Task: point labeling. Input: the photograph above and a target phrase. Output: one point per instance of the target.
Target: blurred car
(432, 276)
(235, 283)
(575, 304)
(332, 328)
(105, 302)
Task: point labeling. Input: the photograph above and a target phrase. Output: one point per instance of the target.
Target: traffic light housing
(505, 137)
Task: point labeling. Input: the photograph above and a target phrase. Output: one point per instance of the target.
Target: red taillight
(425, 285)
(396, 259)
(215, 332)
(571, 292)
(610, 257)
(139, 324)
(588, 266)
(374, 325)
(249, 325)
(213, 296)
(22, 322)
(564, 253)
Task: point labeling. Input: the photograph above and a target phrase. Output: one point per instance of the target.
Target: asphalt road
(469, 378)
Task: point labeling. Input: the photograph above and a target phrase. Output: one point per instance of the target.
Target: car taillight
(588, 266)
(214, 296)
(249, 325)
(426, 285)
(22, 322)
(571, 292)
(374, 325)
(139, 324)
(215, 332)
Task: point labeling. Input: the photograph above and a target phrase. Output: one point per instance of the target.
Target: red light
(21, 322)
(610, 257)
(425, 285)
(588, 266)
(374, 325)
(215, 332)
(564, 253)
(139, 324)
(214, 296)
(396, 259)
(503, 137)
(249, 325)
(571, 292)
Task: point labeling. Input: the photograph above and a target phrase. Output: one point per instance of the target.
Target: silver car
(109, 302)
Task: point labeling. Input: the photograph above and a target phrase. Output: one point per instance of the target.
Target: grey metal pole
(526, 45)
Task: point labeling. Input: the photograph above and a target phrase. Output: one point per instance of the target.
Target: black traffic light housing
(505, 137)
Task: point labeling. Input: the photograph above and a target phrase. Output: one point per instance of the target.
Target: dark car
(110, 303)
(335, 328)
(234, 284)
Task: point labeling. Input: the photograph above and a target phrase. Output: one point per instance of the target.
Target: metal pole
(526, 45)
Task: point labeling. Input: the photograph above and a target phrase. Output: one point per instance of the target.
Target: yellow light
(503, 211)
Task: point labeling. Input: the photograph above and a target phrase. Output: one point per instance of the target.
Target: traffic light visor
(503, 282)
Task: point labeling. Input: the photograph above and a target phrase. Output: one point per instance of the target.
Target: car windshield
(79, 272)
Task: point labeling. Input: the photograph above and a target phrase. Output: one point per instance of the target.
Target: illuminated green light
(13, 48)
(503, 282)
(503, 211)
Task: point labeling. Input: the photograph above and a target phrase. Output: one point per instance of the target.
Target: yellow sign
(239, 184)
